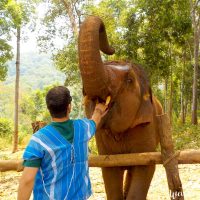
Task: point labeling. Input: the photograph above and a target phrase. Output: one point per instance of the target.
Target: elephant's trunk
(92, 38)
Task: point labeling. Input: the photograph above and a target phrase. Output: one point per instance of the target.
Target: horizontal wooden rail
(150, 158)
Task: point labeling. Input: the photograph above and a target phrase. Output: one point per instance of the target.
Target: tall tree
(195, 14)
(20, 14)
(15, 10)
(182, 112)
(15, 141)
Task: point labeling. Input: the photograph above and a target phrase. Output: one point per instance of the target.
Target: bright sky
(30, 43)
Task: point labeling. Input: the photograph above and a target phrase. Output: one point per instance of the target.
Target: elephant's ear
(145, 112)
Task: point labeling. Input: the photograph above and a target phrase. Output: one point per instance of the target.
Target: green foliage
(13, 14)
(154, 31)
(33, 105)
(93, 147)
(113, 14)
(6, 127)
(3, 72)
(6, 101)
(52, 28)
(16, 12)
(77, 106)
(66, 60)
(5, 48)
(21, 12)
(186, 136)
(5, 56)
(6, 132)
(58, 26)
(37, 71)
(24, 136)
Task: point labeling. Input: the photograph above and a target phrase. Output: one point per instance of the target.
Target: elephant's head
(131, 100)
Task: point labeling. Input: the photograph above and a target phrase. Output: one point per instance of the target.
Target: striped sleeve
(89, 127)
(33, 151)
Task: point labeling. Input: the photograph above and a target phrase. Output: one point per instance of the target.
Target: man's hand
(101, 109)
(26, 183)
(99, 112)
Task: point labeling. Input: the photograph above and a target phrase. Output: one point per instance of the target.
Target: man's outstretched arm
(26, 183)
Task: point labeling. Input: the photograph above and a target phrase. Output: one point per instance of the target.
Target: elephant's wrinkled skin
(130, 125)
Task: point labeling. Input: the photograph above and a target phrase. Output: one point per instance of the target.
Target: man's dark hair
(57, 100)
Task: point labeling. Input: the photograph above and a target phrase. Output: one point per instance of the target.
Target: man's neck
(60, 119)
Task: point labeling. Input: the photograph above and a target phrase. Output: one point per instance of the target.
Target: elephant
(130, 125)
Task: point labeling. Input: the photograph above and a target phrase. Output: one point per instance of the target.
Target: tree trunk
(196, 27)
(15, 138)
(171, 97)
(186, 107)
(165, 105)
(182, 114)
(69, 8)
(195, 76)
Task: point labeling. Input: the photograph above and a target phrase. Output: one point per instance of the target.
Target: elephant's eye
(129, 80)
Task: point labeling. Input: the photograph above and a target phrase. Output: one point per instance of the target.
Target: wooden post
(169, 158)
(38, 125)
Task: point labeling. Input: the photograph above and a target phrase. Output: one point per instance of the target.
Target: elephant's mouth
(100, 100)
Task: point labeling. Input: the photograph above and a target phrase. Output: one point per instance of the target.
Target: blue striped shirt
(64, 172)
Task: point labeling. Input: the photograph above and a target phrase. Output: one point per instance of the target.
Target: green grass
(93, 147)
(5, 143)
(186, 136)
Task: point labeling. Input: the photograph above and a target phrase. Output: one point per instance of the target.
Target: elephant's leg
(113, 180)
(140, 182)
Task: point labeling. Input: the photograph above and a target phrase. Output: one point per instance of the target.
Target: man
(56, 158)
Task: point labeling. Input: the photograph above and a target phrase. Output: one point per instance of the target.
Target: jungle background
(38, 49)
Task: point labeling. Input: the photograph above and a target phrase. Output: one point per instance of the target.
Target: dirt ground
(190, 176)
